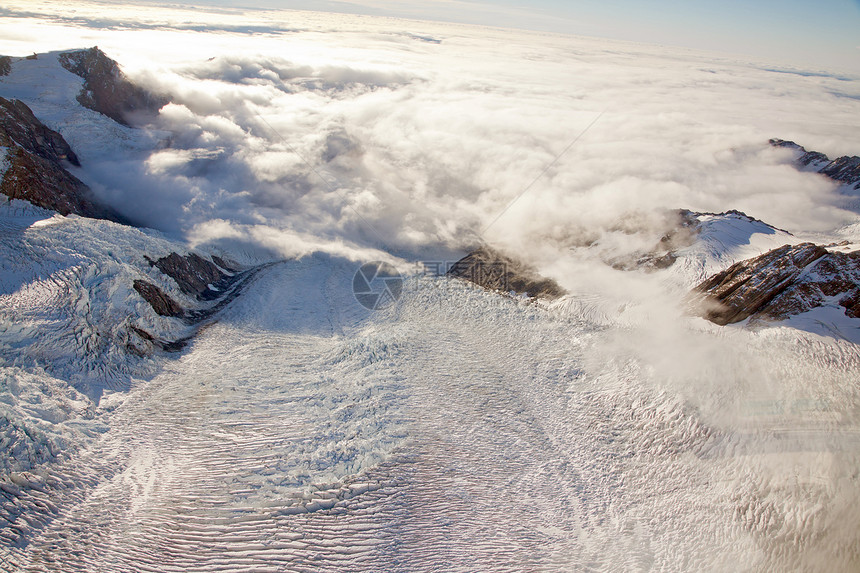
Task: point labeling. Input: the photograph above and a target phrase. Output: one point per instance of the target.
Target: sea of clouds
(303, 131)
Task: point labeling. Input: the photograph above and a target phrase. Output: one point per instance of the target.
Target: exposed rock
(495, 271)
(686, 229)
(35, 170)
(5, 65)
(782, 283)
(663, 255)
(18, 126)
(161, 303)
(192, 273)
(145, 343)
(107, 90)
(140, 345)
(845, 170)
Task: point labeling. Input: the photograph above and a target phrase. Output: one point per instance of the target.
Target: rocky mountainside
(186, 288)
(494, 271)
(107, 90)
(781, 283)
(196, 276)
(35, 166)
(34, 159)
(793, 279)
(844, 170)
(698, 244)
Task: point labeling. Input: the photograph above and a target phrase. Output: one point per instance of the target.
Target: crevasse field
(457, 429)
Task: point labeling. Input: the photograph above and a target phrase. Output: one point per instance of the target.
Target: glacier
(456, 429)
(300, 431)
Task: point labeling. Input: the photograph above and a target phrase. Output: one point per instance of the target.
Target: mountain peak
(107, 90)
(844, 170)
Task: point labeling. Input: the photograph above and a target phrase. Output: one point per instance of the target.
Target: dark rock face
(161, 303)
(784, 282)
(5, 65)
(19, 127)
(845, 170)
(35, 173)
(495, 271)
(192, 273)
(107, 90)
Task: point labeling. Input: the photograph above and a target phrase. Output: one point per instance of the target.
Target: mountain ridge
(35, 167)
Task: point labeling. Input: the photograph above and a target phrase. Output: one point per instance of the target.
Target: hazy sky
(825, 33)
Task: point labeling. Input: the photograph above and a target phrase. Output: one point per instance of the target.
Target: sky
(824, 34)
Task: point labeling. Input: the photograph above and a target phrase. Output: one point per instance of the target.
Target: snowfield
(303, 433)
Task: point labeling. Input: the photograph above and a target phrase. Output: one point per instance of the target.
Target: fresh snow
(724, 240)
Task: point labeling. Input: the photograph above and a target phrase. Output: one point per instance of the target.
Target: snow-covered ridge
(719, 240)
(844, 170)
(71, 317)
(39, 157)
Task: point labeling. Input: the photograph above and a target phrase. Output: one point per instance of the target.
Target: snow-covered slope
(722, 239)
(72, 324)
(51, 91)
(457, 430)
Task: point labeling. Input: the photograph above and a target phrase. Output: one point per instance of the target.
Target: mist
(414, 141)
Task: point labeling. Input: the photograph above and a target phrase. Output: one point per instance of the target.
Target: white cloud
(358, 130)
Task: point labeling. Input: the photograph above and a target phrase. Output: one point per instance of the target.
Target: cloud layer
(412, 137)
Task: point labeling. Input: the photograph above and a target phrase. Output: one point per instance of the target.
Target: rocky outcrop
(35, 157)
(107, 90)
(686, 228)
(160, 302)
(193, 274)
(197, 277)
(844, 170)
(782, 283)
(5, 65)
(681, 234)
(494, 271)
(19, 127)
